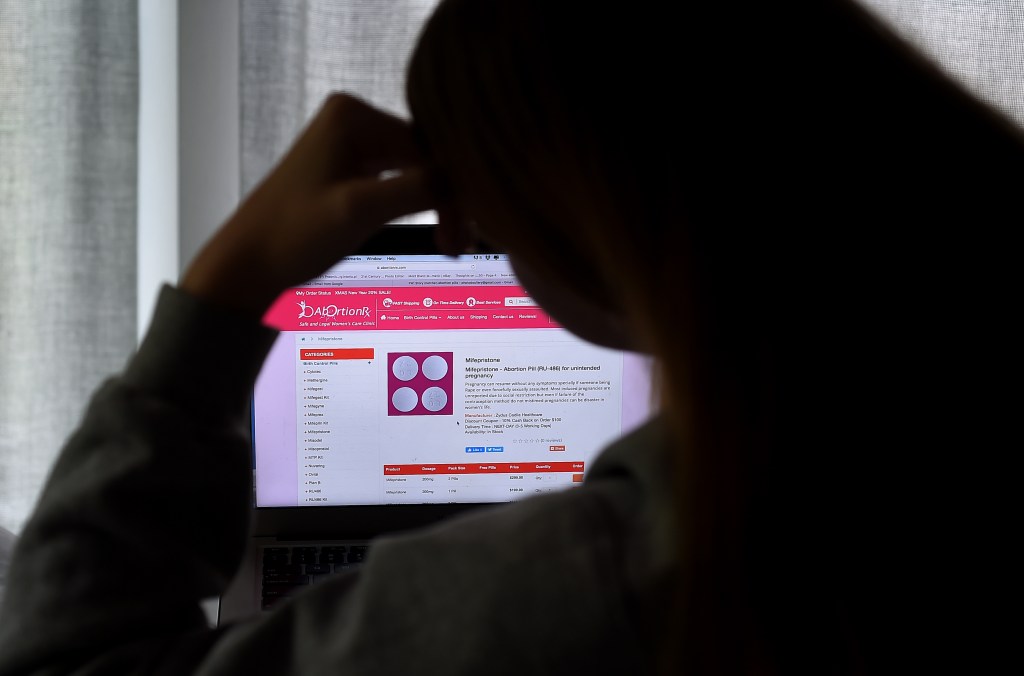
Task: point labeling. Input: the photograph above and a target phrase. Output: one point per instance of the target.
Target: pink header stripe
(485, 468)
(405, 308)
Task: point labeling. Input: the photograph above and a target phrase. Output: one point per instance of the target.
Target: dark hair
(757, 191)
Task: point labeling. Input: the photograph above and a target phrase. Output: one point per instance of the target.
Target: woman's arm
(145, 511)
(324, 199)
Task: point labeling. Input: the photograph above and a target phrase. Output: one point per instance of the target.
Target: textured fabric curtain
(68, 119)
(979, 43)
(68, 107)
(294, 53)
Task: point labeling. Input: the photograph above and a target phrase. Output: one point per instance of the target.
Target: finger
(453, 234)
(376, 139)
(358, 207)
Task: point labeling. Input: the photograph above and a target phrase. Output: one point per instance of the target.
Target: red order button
(337, 353)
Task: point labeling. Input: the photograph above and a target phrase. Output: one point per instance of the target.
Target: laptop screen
(410, 378)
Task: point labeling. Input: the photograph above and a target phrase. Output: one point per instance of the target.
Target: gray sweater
(145, 514)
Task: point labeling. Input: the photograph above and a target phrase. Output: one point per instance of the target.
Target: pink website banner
(403, 309)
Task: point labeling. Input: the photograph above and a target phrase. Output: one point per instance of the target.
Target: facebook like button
(474, 449)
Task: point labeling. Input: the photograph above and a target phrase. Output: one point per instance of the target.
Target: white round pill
(435, 367)
(404, 399)
(434, 399)
(405, 368)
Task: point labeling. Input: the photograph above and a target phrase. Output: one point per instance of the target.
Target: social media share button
(494, 449)
(474, 449)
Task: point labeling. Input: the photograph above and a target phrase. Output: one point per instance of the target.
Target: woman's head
(521, 106)
(739, 185)
(550, 126)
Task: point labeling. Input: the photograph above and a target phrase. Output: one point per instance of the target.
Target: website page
(413, 379)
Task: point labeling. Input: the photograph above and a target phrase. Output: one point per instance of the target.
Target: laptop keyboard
(291, 568)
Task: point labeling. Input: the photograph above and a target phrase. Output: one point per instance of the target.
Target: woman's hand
(323, 199)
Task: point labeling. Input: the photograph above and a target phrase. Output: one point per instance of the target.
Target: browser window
(426, 378)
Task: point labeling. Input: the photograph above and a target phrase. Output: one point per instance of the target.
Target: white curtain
(68, 107)
(979, 43)
(294, 53)
(68, 122)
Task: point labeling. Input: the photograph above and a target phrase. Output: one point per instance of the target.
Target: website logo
(332, 311)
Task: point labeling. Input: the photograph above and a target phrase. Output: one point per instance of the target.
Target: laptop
(406, 387)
